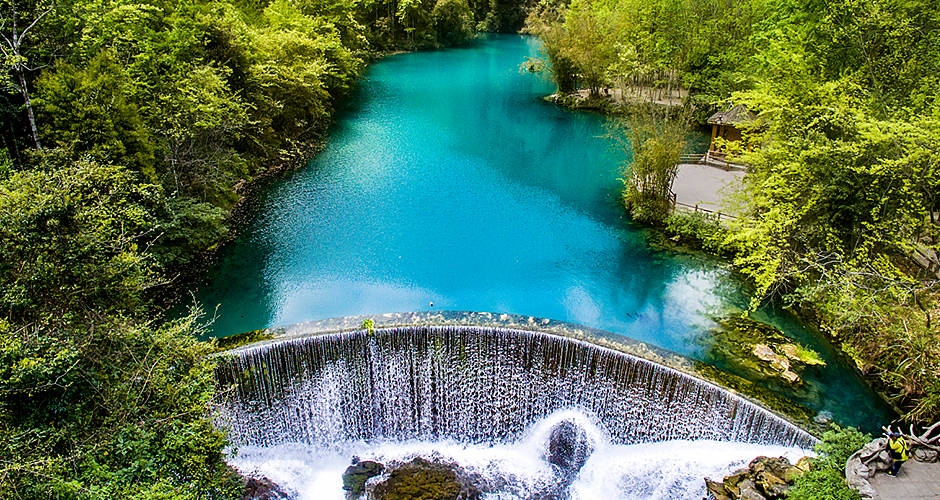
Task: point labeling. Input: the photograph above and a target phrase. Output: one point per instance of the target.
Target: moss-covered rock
(240, 339)
(763, 350)
(764, 478)
(356, 475)
(264, 489)
(421, 479)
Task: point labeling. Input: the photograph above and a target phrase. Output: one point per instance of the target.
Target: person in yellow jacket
(897, 448)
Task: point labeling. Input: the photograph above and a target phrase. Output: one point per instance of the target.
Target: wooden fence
(720, 159)
(695, 209)
(692, 159)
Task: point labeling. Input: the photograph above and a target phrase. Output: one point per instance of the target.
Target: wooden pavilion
(727, 124)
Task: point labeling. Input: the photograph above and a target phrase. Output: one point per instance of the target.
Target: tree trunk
(29, 107)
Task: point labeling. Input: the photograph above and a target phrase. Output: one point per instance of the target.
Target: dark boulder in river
(568, 449)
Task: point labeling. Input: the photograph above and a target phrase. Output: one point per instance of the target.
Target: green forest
(133, 130)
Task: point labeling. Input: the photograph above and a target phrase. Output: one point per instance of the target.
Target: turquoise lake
(448, 183)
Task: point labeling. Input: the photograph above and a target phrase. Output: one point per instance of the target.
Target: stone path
(702, 185)
(916, 481)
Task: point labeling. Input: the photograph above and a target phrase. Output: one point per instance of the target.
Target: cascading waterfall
(473, 385)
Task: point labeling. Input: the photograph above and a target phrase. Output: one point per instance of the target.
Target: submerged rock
(422, 479)
(764, 353)
(760, 348)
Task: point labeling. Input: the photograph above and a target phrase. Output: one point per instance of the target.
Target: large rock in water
(421, 479)
(568, 448)
(763, 479)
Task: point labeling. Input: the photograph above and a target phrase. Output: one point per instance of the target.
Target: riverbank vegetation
(838, 215)
(130, 131)
(826, 476)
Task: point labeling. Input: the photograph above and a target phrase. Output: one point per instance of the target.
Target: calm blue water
(451, 182)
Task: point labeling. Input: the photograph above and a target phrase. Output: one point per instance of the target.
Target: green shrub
(826, 478)
(822, 484)
(696, 229)
(109, 409)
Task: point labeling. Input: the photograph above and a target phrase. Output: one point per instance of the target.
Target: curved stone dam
(475, 384)
(476, 387)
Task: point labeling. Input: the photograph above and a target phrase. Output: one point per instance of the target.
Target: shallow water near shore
(449, 184)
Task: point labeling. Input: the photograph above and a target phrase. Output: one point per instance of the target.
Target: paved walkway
(702, 185)
(916, 481)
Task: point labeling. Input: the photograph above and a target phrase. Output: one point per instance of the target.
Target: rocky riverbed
(763, 479)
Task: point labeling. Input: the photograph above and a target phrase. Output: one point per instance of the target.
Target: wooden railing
(692, 159)
(709, 214)
(695, 209)
(720, 159)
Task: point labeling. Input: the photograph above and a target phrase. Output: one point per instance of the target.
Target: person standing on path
(897, 448)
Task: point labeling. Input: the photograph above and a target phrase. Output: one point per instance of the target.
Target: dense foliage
(840, 212)
(844, 194)
(826, 477)
(94, 401)
(641, 46)
(129, 129)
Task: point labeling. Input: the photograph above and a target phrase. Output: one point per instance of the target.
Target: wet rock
(717, 490)
(732, 483)
(749, 491)
(769, 475)
(765, 478)
(794, 471)
(568, 448)
(771, 485)
(790, 351)
(264, 489)
(804, 356)
(356, 475)
(422, 479)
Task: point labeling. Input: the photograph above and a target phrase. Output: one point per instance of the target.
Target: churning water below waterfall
(670, 470)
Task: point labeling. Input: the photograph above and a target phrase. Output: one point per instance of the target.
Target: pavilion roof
(734, 115)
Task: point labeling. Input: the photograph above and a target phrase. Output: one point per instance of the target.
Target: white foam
(671, 470)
